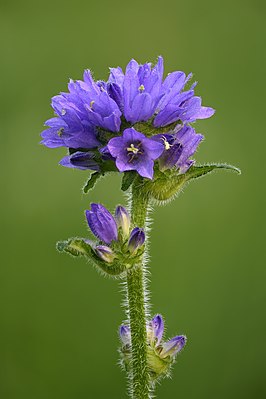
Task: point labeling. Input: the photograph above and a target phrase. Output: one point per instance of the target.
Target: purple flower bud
(80, 160)
(136, 239)
(105, 253)
(125, 336)
(102, 223)
(173, 346)
(122, 219)
(156, 328)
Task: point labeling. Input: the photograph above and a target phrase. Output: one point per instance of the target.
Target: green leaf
(167, 184)
(127, 179)
(92, 181)
(197, 171)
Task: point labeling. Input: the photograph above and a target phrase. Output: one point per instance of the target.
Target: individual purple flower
(138, 91)
(179, 147)
(136, 239)
(156, 329)
(80, 160)
(105, 253)
(173, 346)
(68, 130)
(79, 112)
(125, 336)
(102, 223)
(178, 105)
(122, 219)
(134, 151)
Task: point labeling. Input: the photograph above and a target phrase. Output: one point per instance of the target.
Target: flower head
(100, 117)
(134, 151)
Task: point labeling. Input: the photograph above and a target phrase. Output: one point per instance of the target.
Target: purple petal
(142, 108)
(153, 149)
(205, 112)
(145, 169)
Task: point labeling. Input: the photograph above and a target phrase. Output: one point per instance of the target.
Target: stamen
(133, 149)
(141, 88)
(60, 131)
(166, 144)
(91, 104)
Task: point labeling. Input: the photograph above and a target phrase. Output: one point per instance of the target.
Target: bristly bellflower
(141, 125)
(103, 121)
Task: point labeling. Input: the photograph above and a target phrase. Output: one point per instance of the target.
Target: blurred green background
(58, 317)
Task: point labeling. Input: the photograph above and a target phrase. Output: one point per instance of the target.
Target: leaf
(127, 179)
(166, 185)
(197, 171)
(92, 181)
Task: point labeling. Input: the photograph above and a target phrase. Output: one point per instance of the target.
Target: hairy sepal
(166, 185)
(78, 247)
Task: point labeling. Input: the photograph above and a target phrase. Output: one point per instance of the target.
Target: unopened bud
(122, 219)
(173, 347)
(136, 239)
(105, 253)
(125, 336)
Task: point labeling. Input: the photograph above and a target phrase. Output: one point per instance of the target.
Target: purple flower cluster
(155, 331)
(102, 121)
(109, 229)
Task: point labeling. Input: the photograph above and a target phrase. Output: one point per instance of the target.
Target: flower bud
(173, 347)
(136, 239)
(122, 219)
(124, 332)
(102, 223)
(105, 253)
(156, 329)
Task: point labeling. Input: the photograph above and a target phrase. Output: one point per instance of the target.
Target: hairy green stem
(137, 305)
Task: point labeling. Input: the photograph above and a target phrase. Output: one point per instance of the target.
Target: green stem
(140, 385)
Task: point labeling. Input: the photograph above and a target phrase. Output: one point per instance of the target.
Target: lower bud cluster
(117, 242)
(160, 354)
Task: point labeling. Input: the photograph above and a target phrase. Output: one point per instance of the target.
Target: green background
(59, 318)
